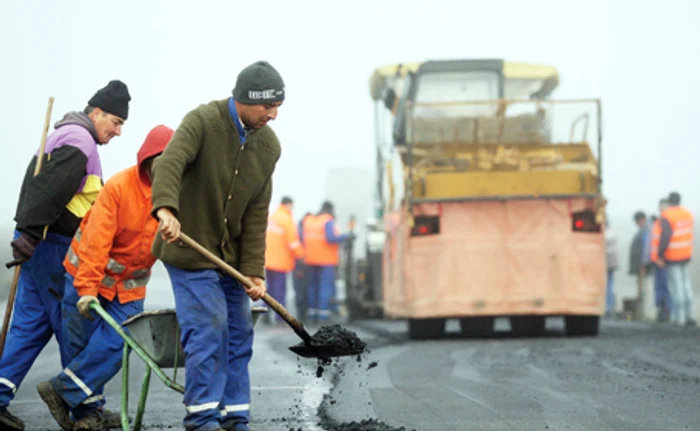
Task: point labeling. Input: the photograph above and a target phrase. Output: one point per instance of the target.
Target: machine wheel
(582, 325)
(527, 325)
(481, 326)
(421, 329)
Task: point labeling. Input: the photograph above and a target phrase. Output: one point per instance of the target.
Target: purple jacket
(68, 182)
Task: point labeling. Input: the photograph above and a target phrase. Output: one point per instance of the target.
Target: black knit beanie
(258, 84)
(114, 99)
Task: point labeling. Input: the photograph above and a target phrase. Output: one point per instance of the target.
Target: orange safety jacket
(110, 254)
(283, 245)
(655, 238)
(680, 246)
(318, 250)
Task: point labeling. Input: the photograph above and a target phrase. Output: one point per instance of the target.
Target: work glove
(22, 249)
(84, 306)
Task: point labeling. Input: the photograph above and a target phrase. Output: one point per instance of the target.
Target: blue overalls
(216, 326)
(92, 351)
(37, 313)
(321, 281)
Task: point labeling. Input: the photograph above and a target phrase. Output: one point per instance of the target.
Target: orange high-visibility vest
(282, 239)
(110, 254)
(680, 247)
(655, 238)
(318, 250)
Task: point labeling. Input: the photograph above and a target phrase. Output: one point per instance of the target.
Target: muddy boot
(57, 406)
(10, 422)
(112, 419)
(92, 422)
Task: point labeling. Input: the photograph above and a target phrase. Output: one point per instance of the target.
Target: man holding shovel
(50, 208)
(215, 181)
(110, 259)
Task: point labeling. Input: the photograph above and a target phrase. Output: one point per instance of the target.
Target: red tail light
(584, 221)
(425, 225)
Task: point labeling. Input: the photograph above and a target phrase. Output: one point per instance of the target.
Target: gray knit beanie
(258, 84)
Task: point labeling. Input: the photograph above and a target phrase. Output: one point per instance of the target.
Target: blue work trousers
(37, 313)
(662, 294)
(216, 328)
(93, 352)
(321, 291)
(681, 288)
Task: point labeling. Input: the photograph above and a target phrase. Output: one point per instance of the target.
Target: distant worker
(640, 262)
(322, 241)
(283, 247)
(50, 208)
(109, 262)
(612, 262)
(675, 252)
(301, 279)
(664, 303)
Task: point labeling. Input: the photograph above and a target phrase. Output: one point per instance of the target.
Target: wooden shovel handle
(269, 300)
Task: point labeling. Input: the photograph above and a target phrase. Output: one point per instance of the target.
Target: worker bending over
(109, 261)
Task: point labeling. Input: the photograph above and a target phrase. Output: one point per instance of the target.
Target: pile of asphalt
(335, 335)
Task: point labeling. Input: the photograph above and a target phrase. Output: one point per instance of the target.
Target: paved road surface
(634, 376)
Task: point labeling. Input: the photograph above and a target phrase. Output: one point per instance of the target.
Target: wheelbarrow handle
(269, 300)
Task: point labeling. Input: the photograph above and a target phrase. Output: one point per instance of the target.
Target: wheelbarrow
(155, 337)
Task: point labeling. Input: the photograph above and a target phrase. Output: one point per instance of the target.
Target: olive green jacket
(219, 189)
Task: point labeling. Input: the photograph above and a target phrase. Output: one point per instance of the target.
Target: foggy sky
(638, 56)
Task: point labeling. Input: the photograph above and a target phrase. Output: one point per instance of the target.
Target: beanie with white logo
(259, 84)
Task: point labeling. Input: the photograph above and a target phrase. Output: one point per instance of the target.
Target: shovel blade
(306, 351)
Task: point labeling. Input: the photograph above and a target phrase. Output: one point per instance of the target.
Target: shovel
(306, 350)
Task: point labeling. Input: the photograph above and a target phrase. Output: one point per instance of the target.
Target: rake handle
(269, 300)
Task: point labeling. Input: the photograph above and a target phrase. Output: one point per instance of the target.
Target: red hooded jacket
(110, 254)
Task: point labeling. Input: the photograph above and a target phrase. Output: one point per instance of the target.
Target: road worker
(109, 262)
(322, 241)
(50, 208)
(283, 247)
(664, 305)
(674, 254)
(640, 262)
(215, 182)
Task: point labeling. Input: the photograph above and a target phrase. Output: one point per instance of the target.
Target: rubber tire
(481, 326)
(527, 326)
(423, 329)
(581, 326)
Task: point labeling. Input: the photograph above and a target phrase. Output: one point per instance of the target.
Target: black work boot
(57, 406)
(230, 425)
(8, 421)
